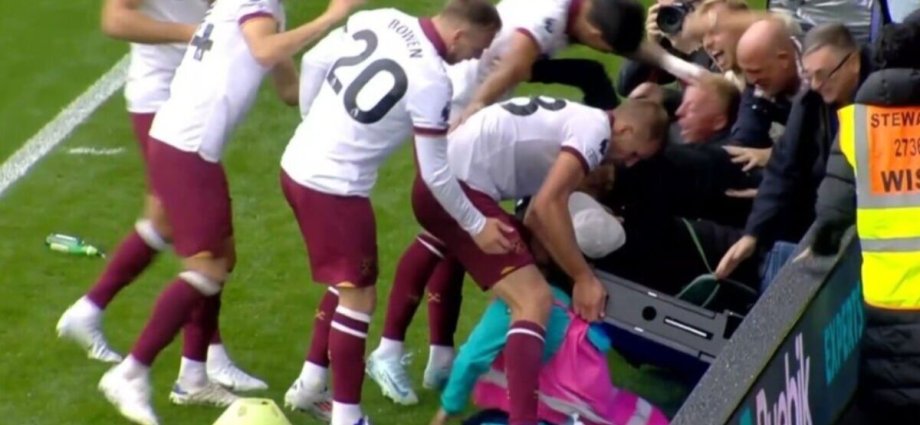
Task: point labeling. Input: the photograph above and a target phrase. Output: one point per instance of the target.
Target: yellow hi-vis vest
(882, 144)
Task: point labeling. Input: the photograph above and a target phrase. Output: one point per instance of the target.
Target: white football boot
(130, 396)
(390, 374)
(313, 400)
(86, 330)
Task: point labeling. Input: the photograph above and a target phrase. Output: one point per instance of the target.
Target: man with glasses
(835, 66)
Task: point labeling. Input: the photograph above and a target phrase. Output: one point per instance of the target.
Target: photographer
(663, 27)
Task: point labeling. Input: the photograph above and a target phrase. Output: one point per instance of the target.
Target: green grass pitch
(52, 51)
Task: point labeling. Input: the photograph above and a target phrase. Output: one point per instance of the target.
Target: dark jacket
(756, 114)
(587, 75)
(890, 373)
(784, 206)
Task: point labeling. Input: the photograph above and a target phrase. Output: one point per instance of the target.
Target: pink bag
(575, 382)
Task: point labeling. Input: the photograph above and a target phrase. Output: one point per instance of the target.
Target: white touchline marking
(55, 131)
(89, 150)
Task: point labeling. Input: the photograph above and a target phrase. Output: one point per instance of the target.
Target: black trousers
(587, 75)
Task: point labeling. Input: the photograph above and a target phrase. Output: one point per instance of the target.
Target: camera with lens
(671, 17)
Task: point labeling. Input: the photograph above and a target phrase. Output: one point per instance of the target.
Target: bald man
(768, 56)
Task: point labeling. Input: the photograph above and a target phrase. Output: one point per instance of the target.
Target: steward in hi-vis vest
(873, 179)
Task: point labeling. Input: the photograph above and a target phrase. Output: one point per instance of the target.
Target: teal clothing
(488, 338)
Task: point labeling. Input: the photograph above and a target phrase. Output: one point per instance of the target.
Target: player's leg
(309, 392)
(221, 369)
(386, 365)
(197, 202)
(347, 339)
(82, 321)
(340, 234)
(529, 298)
(445, 294)
(515, 279)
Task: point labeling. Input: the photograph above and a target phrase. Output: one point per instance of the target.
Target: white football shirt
(216, 83)
(546, 22)
(507, 149)
(153, 65)
(384, 77)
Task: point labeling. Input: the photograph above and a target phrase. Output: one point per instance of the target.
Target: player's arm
(268, 46)
(429, 107)
(314, 66)
(513, 68)
(431, 148)
(285, 80)
(549, 219)
(123, 20)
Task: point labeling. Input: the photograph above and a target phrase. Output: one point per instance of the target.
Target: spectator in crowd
(886, 226)
(691, 176)
(896, 44)
(633, 73)
(707, 111)
(855, 14)
(784, 201)
(720, 24)
(769, 58)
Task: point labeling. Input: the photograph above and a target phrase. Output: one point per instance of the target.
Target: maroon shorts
(141, 124)
(486, 269)
(195, 196)
(340, 233)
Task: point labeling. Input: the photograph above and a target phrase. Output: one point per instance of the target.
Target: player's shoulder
(374, 19)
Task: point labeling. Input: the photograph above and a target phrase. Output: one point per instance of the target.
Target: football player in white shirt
(238, 42)
(159, 31)
(540, 147)
(532, 29)
(370, 86)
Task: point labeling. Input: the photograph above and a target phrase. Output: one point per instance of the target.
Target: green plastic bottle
(72, 245)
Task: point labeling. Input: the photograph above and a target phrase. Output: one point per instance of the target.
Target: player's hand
(470, 110)
(440, 418)
(739, 252)
(741, 193)
(749, 157)
(589, 298)
(339, 9)
(652, 31)
(492, 239)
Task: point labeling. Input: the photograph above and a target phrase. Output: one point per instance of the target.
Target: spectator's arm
(780, 176)
(476, 356)
(752, 127)
(835, 209)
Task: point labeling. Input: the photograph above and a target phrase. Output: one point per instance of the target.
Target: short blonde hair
(724, 89)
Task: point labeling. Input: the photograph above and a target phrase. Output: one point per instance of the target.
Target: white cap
(597, 232)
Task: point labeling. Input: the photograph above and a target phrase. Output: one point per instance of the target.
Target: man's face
(699, 115)
(832, 73)
(469, 43)
(771, 73)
